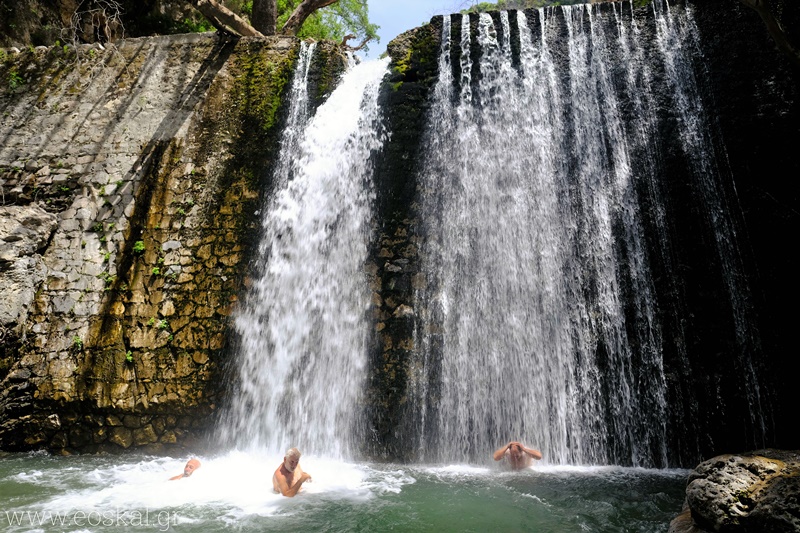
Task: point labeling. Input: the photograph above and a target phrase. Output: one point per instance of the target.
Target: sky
(396, 16)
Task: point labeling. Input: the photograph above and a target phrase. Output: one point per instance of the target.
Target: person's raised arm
(502, 451)
(536, 454)
(286, 490)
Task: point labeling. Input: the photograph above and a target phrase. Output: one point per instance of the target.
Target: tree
(301, 13)
(224, 19)
(343, 19)
(265, 16)
(335, 22)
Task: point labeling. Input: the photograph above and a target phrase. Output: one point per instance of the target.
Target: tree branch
(774, 29)
(224, 19)
(301, 13)
(353, 48)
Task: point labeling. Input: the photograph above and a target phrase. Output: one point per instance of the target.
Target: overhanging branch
(353, 48)
(301, 13)
(224, 19)
(774, 28)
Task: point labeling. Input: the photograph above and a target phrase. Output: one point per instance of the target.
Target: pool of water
(233, 491)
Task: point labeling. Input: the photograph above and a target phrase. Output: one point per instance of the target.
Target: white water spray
(303, 328)
(532, 227)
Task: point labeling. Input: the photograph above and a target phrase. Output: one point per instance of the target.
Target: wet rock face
(24, 234)
(131, 178)
(758, 491)
(393, 269)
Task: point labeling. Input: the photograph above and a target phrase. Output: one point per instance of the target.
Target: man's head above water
(515, 449)
(517, 454)
(188, 470)
(291, 459)
(289, 476)
(191, 466)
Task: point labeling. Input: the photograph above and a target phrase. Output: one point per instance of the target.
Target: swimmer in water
(518, 455)
(289, 477)
(191, 466)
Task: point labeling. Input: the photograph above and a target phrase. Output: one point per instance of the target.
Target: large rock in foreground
(754, 492)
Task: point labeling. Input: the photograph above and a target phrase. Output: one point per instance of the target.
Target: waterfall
(302, 326)
(539, 321)
(552, 294)
(677, 40)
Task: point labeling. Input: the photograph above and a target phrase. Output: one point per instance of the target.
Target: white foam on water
(461, 471)
(237, 484)
(457, 471)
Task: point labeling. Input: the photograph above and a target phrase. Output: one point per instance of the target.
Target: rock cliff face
(131, 178)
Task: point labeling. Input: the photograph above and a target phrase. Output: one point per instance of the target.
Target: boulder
(753, 492)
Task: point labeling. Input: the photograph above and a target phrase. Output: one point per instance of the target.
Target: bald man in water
(191, 466)
(289, 477)
(518, 455)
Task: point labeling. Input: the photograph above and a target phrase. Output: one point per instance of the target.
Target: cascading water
(677, 40)
(539, 321)
(543, 215)
(302, 326)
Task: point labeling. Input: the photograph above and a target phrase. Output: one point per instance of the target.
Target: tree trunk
(224, 19)
(775, 29)
(302, 12)
(265, 14)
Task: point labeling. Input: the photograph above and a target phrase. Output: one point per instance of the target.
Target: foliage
(129, 356)
(241, 7)
(14, 79)
(332, 22)
(197, 24)
(138, 247)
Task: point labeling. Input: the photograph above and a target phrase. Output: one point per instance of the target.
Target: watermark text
(159, 520)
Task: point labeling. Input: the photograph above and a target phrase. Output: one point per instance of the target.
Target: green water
(233, 493)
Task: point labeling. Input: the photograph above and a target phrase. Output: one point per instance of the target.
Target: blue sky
(396, 16)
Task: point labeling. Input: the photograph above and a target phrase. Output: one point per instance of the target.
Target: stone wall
(393, 269)
(131, 177)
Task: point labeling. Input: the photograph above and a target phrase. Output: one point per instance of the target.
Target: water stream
(303, 325)
(526, 247)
